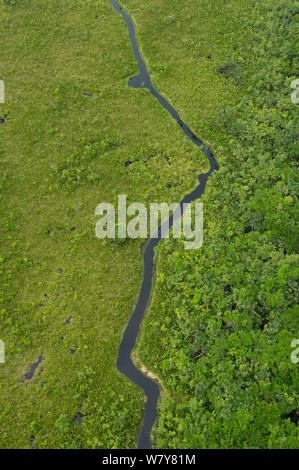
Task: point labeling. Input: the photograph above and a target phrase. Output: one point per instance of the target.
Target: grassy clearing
(184, 43)
(62, 153)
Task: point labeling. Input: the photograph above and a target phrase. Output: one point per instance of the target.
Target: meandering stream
(124, 361)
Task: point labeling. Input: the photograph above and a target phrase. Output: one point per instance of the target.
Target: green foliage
(62, 424)
(11, 2)
(80, 166)
(230, 70)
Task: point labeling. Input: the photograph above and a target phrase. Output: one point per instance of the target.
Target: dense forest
(222, 320)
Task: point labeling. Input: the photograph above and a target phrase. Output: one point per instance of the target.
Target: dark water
(72, 351)
(68, 321)
(34, 366)
(124, 362)
(79, 417)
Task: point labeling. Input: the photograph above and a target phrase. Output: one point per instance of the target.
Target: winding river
(124, 361)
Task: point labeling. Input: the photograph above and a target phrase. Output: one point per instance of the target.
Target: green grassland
(61, 154)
